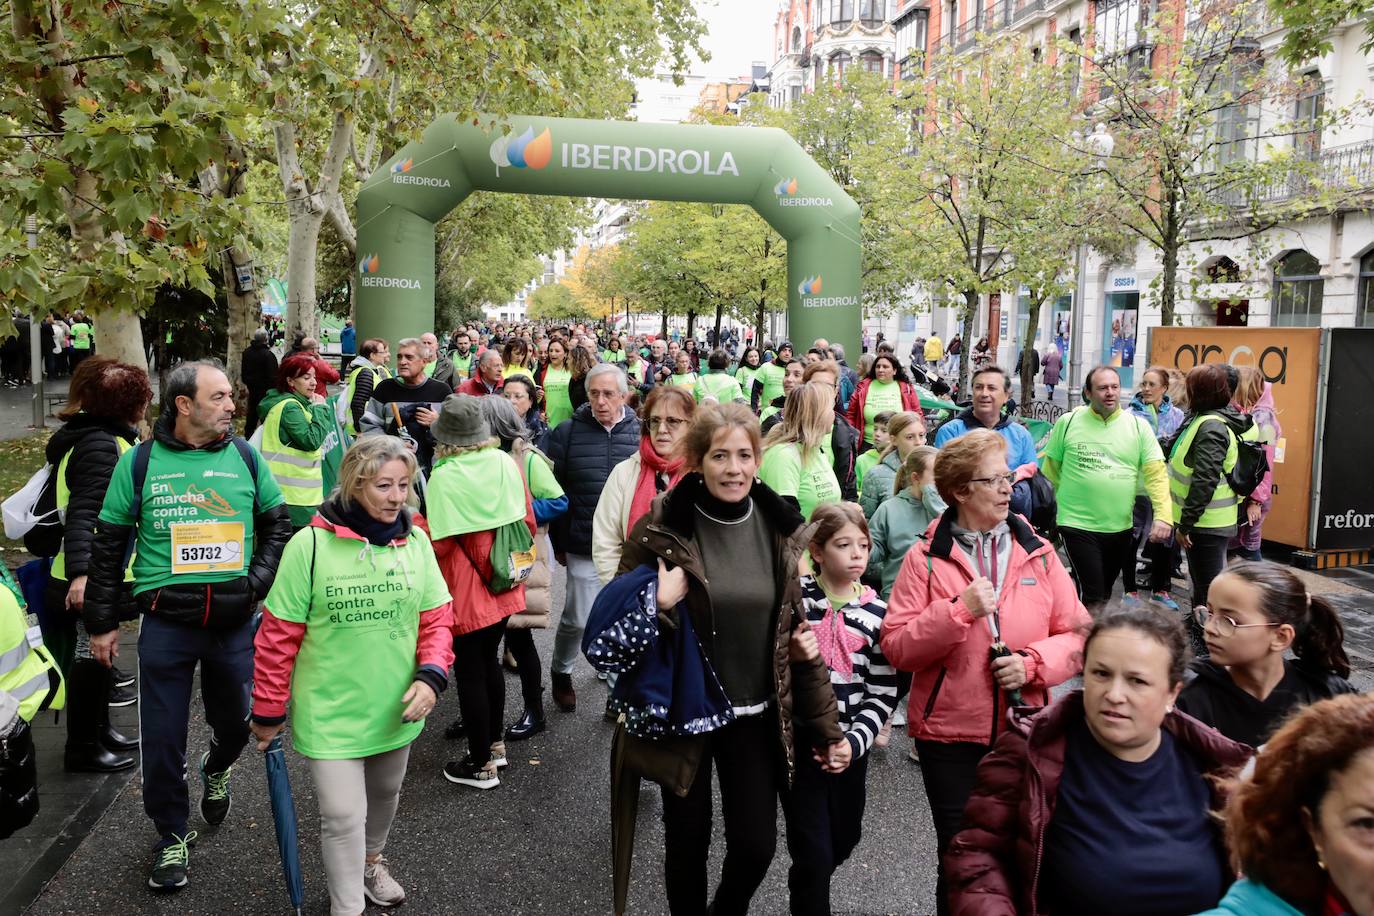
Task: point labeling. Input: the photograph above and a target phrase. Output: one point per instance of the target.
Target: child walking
(825, 807)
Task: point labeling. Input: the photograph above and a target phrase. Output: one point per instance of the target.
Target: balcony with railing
(1347, 169)
(986, 19)
(1023, 8)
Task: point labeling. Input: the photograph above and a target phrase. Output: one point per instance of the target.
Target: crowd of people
(771, 561)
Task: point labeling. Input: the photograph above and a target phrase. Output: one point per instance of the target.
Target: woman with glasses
(634, 483)
(984, 616)
(1255, 613)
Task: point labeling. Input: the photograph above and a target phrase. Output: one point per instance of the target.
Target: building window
(1224, 270)
(911, 41)
(841, 11)
(871, 12)
(793, 94)
(1298, 291)
(1118, 26)
(1238, 123)
(1307, 115)
(839, 62)
(951, 20)
(1035, 54)
(872, 61)
(1366, 291)
(1075, 39)
(796, 40)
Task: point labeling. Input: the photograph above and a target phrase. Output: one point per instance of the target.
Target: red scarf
(650, 465)
(1334, 904)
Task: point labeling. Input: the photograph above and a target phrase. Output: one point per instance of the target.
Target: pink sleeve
(274, 656)
(1264, 493)
(1059, 656)
(435, 645)
(916, 635)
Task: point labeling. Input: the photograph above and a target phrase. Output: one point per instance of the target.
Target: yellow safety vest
(27, 671)
(1221, 512)
(299, 473)
(379, 373)
(64, 496)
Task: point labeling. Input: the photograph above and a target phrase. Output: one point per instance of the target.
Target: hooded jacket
(667, 532)
(911, 400)
(584, 453)
(94, 454)
(1165, 419)
(1206, 456)
(878, 483)
(893, 530)
(219, 605)
(930, 632)
(993, 864)
(1266, 419)
(1020, 443)
(1213, 698)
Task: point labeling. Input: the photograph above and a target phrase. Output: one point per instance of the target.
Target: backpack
(1251, 466)
(31, 514)
(512, 557)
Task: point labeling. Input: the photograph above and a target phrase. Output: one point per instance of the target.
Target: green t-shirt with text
(81, 336)
(881, 396)
(195, 519)
(811, 485)
(1100, 463)
(557, 402)
(362, 625)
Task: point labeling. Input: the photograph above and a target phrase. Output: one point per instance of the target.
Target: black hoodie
(1210, 696)
(91, 440)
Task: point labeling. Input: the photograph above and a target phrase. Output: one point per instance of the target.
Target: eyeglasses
(1225, 625)
(1001, 480)
(673, 423)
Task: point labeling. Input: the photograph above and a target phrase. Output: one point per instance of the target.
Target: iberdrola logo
(811, 286)
(524, 151)
(786, 188)
(370, 264)
(369, 268)
(401, 168)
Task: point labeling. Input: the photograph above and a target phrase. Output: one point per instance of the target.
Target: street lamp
(35, 337)
(1099, 144)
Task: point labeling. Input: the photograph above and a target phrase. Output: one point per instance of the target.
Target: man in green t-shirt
(1096, 456)
(768, 380)
(209, 524)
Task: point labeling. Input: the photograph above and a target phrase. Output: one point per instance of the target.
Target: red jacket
(465, 561)
(929, 632)
(910, 401)
(993, 864)
(278, 642)
(325, 374)
(474, 385)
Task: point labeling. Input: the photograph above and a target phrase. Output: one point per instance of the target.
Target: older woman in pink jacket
(985, 617)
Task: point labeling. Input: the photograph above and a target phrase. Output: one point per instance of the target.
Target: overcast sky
(738, 33)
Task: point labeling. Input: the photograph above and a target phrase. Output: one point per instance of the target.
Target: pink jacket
(1266, 419)
(929, 632)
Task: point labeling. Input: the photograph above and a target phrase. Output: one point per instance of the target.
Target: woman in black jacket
(1255, 612)
(106, 401)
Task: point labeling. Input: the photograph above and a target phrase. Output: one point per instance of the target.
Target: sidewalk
(16, 408)
(70, 804)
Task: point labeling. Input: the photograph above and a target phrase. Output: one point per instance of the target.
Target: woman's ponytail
(1320, 642)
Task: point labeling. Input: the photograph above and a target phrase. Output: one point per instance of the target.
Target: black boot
(88, 691)
(113, 740)
(529, 725)
(456, 729)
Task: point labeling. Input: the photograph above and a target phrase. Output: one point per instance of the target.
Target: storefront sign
(1345, 498)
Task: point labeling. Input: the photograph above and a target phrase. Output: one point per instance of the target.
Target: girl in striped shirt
(825, 807)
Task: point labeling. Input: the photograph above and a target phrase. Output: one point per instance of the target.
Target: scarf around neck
(651, 464)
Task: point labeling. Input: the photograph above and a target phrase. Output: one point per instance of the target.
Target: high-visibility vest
(64, 496)
(379, 373)
(27, 672)
(1221, 512)
(299, 473)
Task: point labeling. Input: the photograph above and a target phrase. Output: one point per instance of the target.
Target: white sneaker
(379, 887)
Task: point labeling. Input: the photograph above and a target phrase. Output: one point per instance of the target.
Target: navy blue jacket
(583, 453)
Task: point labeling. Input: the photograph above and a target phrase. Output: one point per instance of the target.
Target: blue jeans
(167, 657)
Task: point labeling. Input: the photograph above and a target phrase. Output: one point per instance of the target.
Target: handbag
(672, 761)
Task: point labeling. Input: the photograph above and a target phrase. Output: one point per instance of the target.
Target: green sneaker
(173, 860)
(215, 799)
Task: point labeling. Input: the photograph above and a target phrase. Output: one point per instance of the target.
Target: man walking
(461, 357)
(348, 345)
(1053, 364)
(489, 377)
(325, 374)
(258, 371)
(209, 525)
(407, 405)
(991, 391)
(437, 365)
(601, 434)
(1095, 457)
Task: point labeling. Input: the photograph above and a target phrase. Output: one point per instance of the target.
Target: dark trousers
(526, 655)
(825, 813)
(1206, 560)
(947, 769)
(1097, 559)
(481, 688)
(745, 756)
(167, 657)
(1162, 556)
(250, 417)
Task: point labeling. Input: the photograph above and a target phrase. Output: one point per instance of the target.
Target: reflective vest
(64, 496)
(379, 373)
(27, 671)
(299, 473)
(1222, 511)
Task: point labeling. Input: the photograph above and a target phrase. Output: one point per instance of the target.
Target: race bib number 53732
(202, 547)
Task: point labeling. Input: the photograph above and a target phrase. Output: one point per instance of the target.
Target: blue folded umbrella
(284, 819)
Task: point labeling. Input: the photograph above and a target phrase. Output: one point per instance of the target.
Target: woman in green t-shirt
(794, 464)
(749, 363)
(356, 634)
(557, 375)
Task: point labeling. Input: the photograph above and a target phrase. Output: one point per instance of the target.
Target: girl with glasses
(1255, 613)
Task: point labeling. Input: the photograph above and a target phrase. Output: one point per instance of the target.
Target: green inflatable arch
(762, 167)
